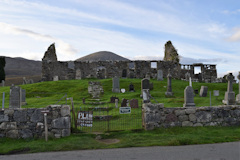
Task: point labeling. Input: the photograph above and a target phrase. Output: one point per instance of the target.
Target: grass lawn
(138, 138)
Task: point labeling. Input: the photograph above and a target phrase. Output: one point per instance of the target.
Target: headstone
(3, 83)
(146, 98)
(238, 95)
(15, 97)
(113, 99)
(116, 103)
(23, 91)
(131, 87)
(55, 78)
(83, 100)
(159, 75)
(115, 85)
(134, 103)
(203, 91)
(145, 84)
(124, 102)
(24, 80)
(189, 97)
(169, 92)
(95, 89)
(229, 98)
(215, 93)
(195, 91)
(151, 86)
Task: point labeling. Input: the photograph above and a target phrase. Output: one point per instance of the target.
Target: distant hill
(103, 56)
(16, 67)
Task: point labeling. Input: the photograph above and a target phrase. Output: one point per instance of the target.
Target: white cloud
(64, 48)
(235, 36)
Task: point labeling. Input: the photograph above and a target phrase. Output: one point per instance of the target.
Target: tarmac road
(220, 151)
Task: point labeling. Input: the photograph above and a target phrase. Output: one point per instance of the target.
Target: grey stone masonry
(238, 95)
(229, 98)
(157, 116)
(29, 123)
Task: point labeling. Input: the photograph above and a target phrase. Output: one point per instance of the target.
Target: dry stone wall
(157, 116)
(29, 123)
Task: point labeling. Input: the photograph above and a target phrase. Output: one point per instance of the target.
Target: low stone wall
(29, 123)
(156, 116)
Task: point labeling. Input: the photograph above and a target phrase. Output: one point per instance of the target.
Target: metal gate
(98, 118)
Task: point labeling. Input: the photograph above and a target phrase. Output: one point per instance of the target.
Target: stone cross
(115, 85)
(229, 98)
(238, 77)
(169, 85)
(190, 81)
(230, 79)
(238, 95)
(189, 97)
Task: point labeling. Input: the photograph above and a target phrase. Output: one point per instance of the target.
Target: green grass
(77, 89)
(138, 138)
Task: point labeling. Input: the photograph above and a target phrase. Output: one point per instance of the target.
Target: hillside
(17, 68)
(103, 56)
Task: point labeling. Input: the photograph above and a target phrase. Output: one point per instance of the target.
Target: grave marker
(134, 103)
(203, 91)
(159, 75)
(15, 97)
(229, 98)
(115, 85)
(189, 97)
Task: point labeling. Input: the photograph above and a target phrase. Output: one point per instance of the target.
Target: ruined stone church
(107, 65)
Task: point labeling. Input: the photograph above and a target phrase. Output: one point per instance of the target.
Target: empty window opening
(197, 70)
(153, 64)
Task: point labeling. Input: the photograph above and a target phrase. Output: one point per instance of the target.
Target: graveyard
(40, 95)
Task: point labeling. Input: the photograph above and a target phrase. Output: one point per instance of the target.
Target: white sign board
(125, 110)
(85, 118)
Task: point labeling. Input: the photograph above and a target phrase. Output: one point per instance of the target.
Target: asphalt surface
(220, 151)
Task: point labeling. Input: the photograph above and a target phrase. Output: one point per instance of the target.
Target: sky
(206, 31)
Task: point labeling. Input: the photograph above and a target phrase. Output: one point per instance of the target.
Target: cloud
(64, 48)
(187, 60)
(235, 36)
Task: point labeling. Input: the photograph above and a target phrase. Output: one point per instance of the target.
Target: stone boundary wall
(29, 122)
(156, 116)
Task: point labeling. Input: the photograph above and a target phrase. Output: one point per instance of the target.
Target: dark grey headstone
(124, 103)
(134, 103)
(189, 97)
(145, 84)
(151, 86)
(131, 88)
(115, 85)
(113, 99)
(159, 75)
(23, 95)
(15, 97)
(203, 91)
(196, 91)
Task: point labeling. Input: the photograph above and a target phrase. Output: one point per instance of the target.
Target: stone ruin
(51, 68)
